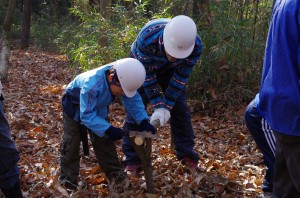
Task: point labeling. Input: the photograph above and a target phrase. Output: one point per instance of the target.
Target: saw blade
(144, 134)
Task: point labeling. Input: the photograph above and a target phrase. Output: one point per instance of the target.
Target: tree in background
(103, 8)
(201, 9)
(5, 43)
(92, 33)
(27, 7)
(105, 11)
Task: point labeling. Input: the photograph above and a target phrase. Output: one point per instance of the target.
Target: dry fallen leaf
(230, 163)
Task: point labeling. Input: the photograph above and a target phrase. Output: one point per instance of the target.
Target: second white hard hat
(131, 74)
(179, 36)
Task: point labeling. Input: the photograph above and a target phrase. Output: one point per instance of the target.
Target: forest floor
(230, 166)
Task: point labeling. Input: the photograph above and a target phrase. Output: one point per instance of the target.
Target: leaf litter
(230, 163)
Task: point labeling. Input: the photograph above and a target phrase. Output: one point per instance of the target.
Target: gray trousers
(286, 182)
(104, 148)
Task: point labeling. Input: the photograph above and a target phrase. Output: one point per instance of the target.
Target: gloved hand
(161, 114)
(146, 126)
(114, 133)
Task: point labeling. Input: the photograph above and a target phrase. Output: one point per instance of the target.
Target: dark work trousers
(265, 140)
(9, 157)
(104, 148)
(287, 166)
(180, 121)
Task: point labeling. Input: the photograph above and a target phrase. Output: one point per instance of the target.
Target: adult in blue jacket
(280, 94)
(9, 171)
(85, 106)
(169, 49)
(265, 139)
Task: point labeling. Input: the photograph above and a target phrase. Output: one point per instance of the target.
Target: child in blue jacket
(85, 106)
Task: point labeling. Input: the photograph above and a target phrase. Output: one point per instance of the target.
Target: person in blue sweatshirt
(85, 108)
(279, 98)
(9, 171)
(265, 139)
(169, 50)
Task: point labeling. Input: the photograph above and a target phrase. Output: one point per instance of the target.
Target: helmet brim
(131, 74)
(129, 94)
(176, 53)
(180, 54)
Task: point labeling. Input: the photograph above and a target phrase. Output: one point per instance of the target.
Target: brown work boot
(190, 164)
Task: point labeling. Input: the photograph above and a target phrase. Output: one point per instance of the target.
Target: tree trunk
(95, 4)
(5, 45)
(189, 7)
(27, 7)
(201, 8)
(105, 6)
(255, 7)
(54, 8)
(242, 5)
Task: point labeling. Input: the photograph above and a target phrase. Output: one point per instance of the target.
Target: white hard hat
(179, 36)
(131, 74)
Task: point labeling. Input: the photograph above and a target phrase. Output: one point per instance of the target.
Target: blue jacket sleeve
(135, 107)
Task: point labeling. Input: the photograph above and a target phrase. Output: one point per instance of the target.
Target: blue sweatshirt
(87, 99)
(148, 48)
(279, 99)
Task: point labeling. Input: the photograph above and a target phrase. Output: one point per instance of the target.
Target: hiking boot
(132, 169)
(70, 186)
(190, 164)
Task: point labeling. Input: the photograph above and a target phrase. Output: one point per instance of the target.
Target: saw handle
(139, 139)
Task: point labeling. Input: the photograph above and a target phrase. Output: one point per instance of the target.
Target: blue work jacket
(279, 99)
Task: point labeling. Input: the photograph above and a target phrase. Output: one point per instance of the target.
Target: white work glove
(161, 114)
